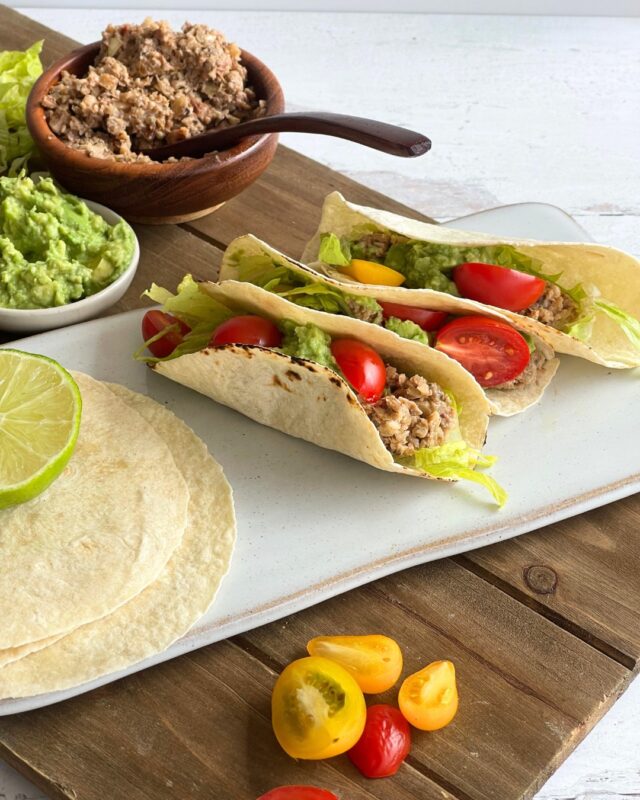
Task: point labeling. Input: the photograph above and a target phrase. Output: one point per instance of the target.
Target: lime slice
(40, 408)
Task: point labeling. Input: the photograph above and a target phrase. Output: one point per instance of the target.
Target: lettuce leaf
(459, 461)
(629, 324)
(192, 306)
(18, 73)
(332, 251)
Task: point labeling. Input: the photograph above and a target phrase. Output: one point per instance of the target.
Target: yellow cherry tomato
(317, 709)
(374, 661)
(370, 272)
(429, 699)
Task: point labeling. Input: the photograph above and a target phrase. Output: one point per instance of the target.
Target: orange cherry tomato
(429, 699)
(317, 709)
(375, 661)
(372, 273)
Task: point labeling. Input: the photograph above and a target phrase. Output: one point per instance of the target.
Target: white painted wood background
(519, 108)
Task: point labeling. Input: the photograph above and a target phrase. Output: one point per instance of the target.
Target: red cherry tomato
(247, 329)
(384, 744)
(492, 351)
(498, 286)
(361, 366)
(428, 320)
(155, 321)
(298, 793)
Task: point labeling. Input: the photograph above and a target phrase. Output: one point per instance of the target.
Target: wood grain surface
(543, 628)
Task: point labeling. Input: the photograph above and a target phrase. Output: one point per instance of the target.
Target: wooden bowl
(155, 192)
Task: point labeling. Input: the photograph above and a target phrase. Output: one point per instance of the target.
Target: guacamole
(307, 341)
(53, 248)
(407, 329)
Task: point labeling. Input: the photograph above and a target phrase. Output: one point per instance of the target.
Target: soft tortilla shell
(305, 399)
(100, 534)
(615, 274)
(504, 402)
(166, 609)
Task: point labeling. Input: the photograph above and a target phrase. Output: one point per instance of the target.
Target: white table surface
(518, 108)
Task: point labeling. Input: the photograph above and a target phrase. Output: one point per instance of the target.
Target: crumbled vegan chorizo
(553, 307)
(413, 413)
(151, 85)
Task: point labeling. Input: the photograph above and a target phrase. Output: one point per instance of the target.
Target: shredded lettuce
(192, 306)
(333, 251)
(18, 73)
(629, 324)
(459, 461)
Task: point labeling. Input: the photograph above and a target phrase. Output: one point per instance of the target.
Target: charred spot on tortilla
(292, 375)
(336, 381)
(277, 382)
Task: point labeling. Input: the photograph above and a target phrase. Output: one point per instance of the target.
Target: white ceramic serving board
(313, 523)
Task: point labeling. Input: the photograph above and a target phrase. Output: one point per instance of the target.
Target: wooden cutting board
(543, 628)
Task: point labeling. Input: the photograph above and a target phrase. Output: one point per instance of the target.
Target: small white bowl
(27, 320)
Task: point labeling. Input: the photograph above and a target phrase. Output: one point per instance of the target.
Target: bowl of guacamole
(62, 259)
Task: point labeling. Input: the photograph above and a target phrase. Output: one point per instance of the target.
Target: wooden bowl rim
(55, 148)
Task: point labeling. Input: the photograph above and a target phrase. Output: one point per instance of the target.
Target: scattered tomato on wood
(428, 699)
(384, 744)
(298, 793)
(317, 709)
(375, 661)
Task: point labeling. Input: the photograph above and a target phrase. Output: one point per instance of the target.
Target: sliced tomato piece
(372, 273)
(375, 661)
(361, 366)
(247, 329)
(498, 286)
(154, 322)
(298, 793)
(428, 320)
(491, 350)
(428, 699)
(317, 709)
(384, 744)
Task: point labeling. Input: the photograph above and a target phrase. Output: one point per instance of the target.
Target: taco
(583, 299)
(513, 367)
(334, 381)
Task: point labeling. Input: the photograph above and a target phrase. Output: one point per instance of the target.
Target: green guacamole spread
(53, 248)
(407, 329)
(307, 341)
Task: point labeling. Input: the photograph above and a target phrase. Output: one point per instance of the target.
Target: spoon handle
(390, 139)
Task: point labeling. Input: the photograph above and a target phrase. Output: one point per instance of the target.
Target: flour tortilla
(504, 402)
(310, 401)
(100, 534)
(166, 609)
(615, 274)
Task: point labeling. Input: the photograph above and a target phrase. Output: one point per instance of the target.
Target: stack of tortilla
(120, 556)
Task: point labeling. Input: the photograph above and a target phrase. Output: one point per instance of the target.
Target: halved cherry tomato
(498, 286)
(298, 793)
(374, 661)
(428, 320)
(361, 366)
(429, 699)
(384, 744)
(317, 709)
(247, 329)
(154, 322)
(491, 350)
(370, 272)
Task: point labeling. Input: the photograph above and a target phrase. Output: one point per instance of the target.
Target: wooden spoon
(389, 138)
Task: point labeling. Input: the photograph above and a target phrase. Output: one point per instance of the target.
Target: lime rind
(37, 482)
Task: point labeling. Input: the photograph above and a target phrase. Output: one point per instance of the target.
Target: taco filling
(495, 352)
(417, 420)
(498, 275)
